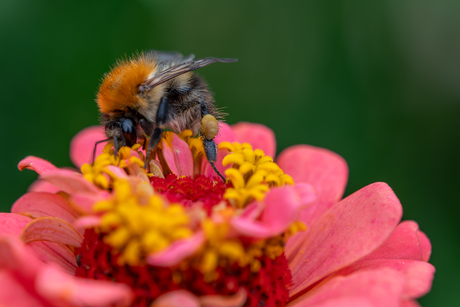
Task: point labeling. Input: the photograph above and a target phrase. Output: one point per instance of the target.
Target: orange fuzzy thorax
(119, 86)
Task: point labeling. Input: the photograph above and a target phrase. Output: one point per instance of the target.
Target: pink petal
(31, 254)
(259, 136)
(51, 229)
(410, 304)
(89, 221)
(119, 172)
(55, 253)
(82, 145)
(183, 298)
(281, 208)
(11, 224)
(42, 204)
(225, 134)
(177, 251)
(59, 287)
(236, 300)
(380, 288)
(36, 164)
(177, 298)
(85, 201)
(69, 181)
(347, 232)
(342, 302)
(325, 170)
(16, 293)
(43, 186)
(406, 242)
(418, 275)
(179, 158)
(16, 257)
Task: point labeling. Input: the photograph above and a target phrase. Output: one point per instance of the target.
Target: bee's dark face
(124, 129)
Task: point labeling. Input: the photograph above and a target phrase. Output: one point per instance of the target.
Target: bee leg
(161, 120)
(115, 144)
(95, 147)
(209, 129)
(153, 142)
(210, 149)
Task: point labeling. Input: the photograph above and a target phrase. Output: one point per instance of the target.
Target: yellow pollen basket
(252, 174)
(100, 175)
(136, 224)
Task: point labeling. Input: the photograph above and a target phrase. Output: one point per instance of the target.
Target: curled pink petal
(11, 224)
(380, 288)
(281, 207)
(178, 157)
(59, 287)
(259, 136)
(42, 204)
(325, 170)
(38, 165)
(40, 185)
(177, 251)
(51, 229)
(406, 242)
(177, 298)
(347, 232)
(82, 145)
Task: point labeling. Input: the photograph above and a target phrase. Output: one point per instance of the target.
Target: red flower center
(188, 191)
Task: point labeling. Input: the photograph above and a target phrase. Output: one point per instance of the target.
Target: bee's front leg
(209, 129)
(161, 119)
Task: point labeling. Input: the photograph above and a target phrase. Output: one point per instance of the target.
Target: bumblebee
(155, 91)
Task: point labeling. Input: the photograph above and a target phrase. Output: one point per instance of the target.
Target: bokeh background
(375, 81)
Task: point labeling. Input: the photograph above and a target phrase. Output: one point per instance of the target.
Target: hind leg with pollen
(209, 129)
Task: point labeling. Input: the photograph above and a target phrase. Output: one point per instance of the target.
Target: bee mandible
(155, 91)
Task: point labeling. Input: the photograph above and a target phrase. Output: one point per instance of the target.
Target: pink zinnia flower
(181, 237)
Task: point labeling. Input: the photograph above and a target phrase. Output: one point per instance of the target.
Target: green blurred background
(375, 81)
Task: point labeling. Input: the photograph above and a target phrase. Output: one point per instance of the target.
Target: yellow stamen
(100, 175)
(252, 173)
(137, 224)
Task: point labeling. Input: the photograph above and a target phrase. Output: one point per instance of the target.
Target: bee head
(123, 131)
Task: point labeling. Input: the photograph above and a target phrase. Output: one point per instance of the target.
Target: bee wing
(182, 68)
(166, 59)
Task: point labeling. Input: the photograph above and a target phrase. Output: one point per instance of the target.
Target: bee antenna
(94, 150)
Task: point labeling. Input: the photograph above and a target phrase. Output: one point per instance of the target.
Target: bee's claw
(217, 172)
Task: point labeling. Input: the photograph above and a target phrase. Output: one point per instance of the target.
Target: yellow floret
(252, 173)
(136, 229)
